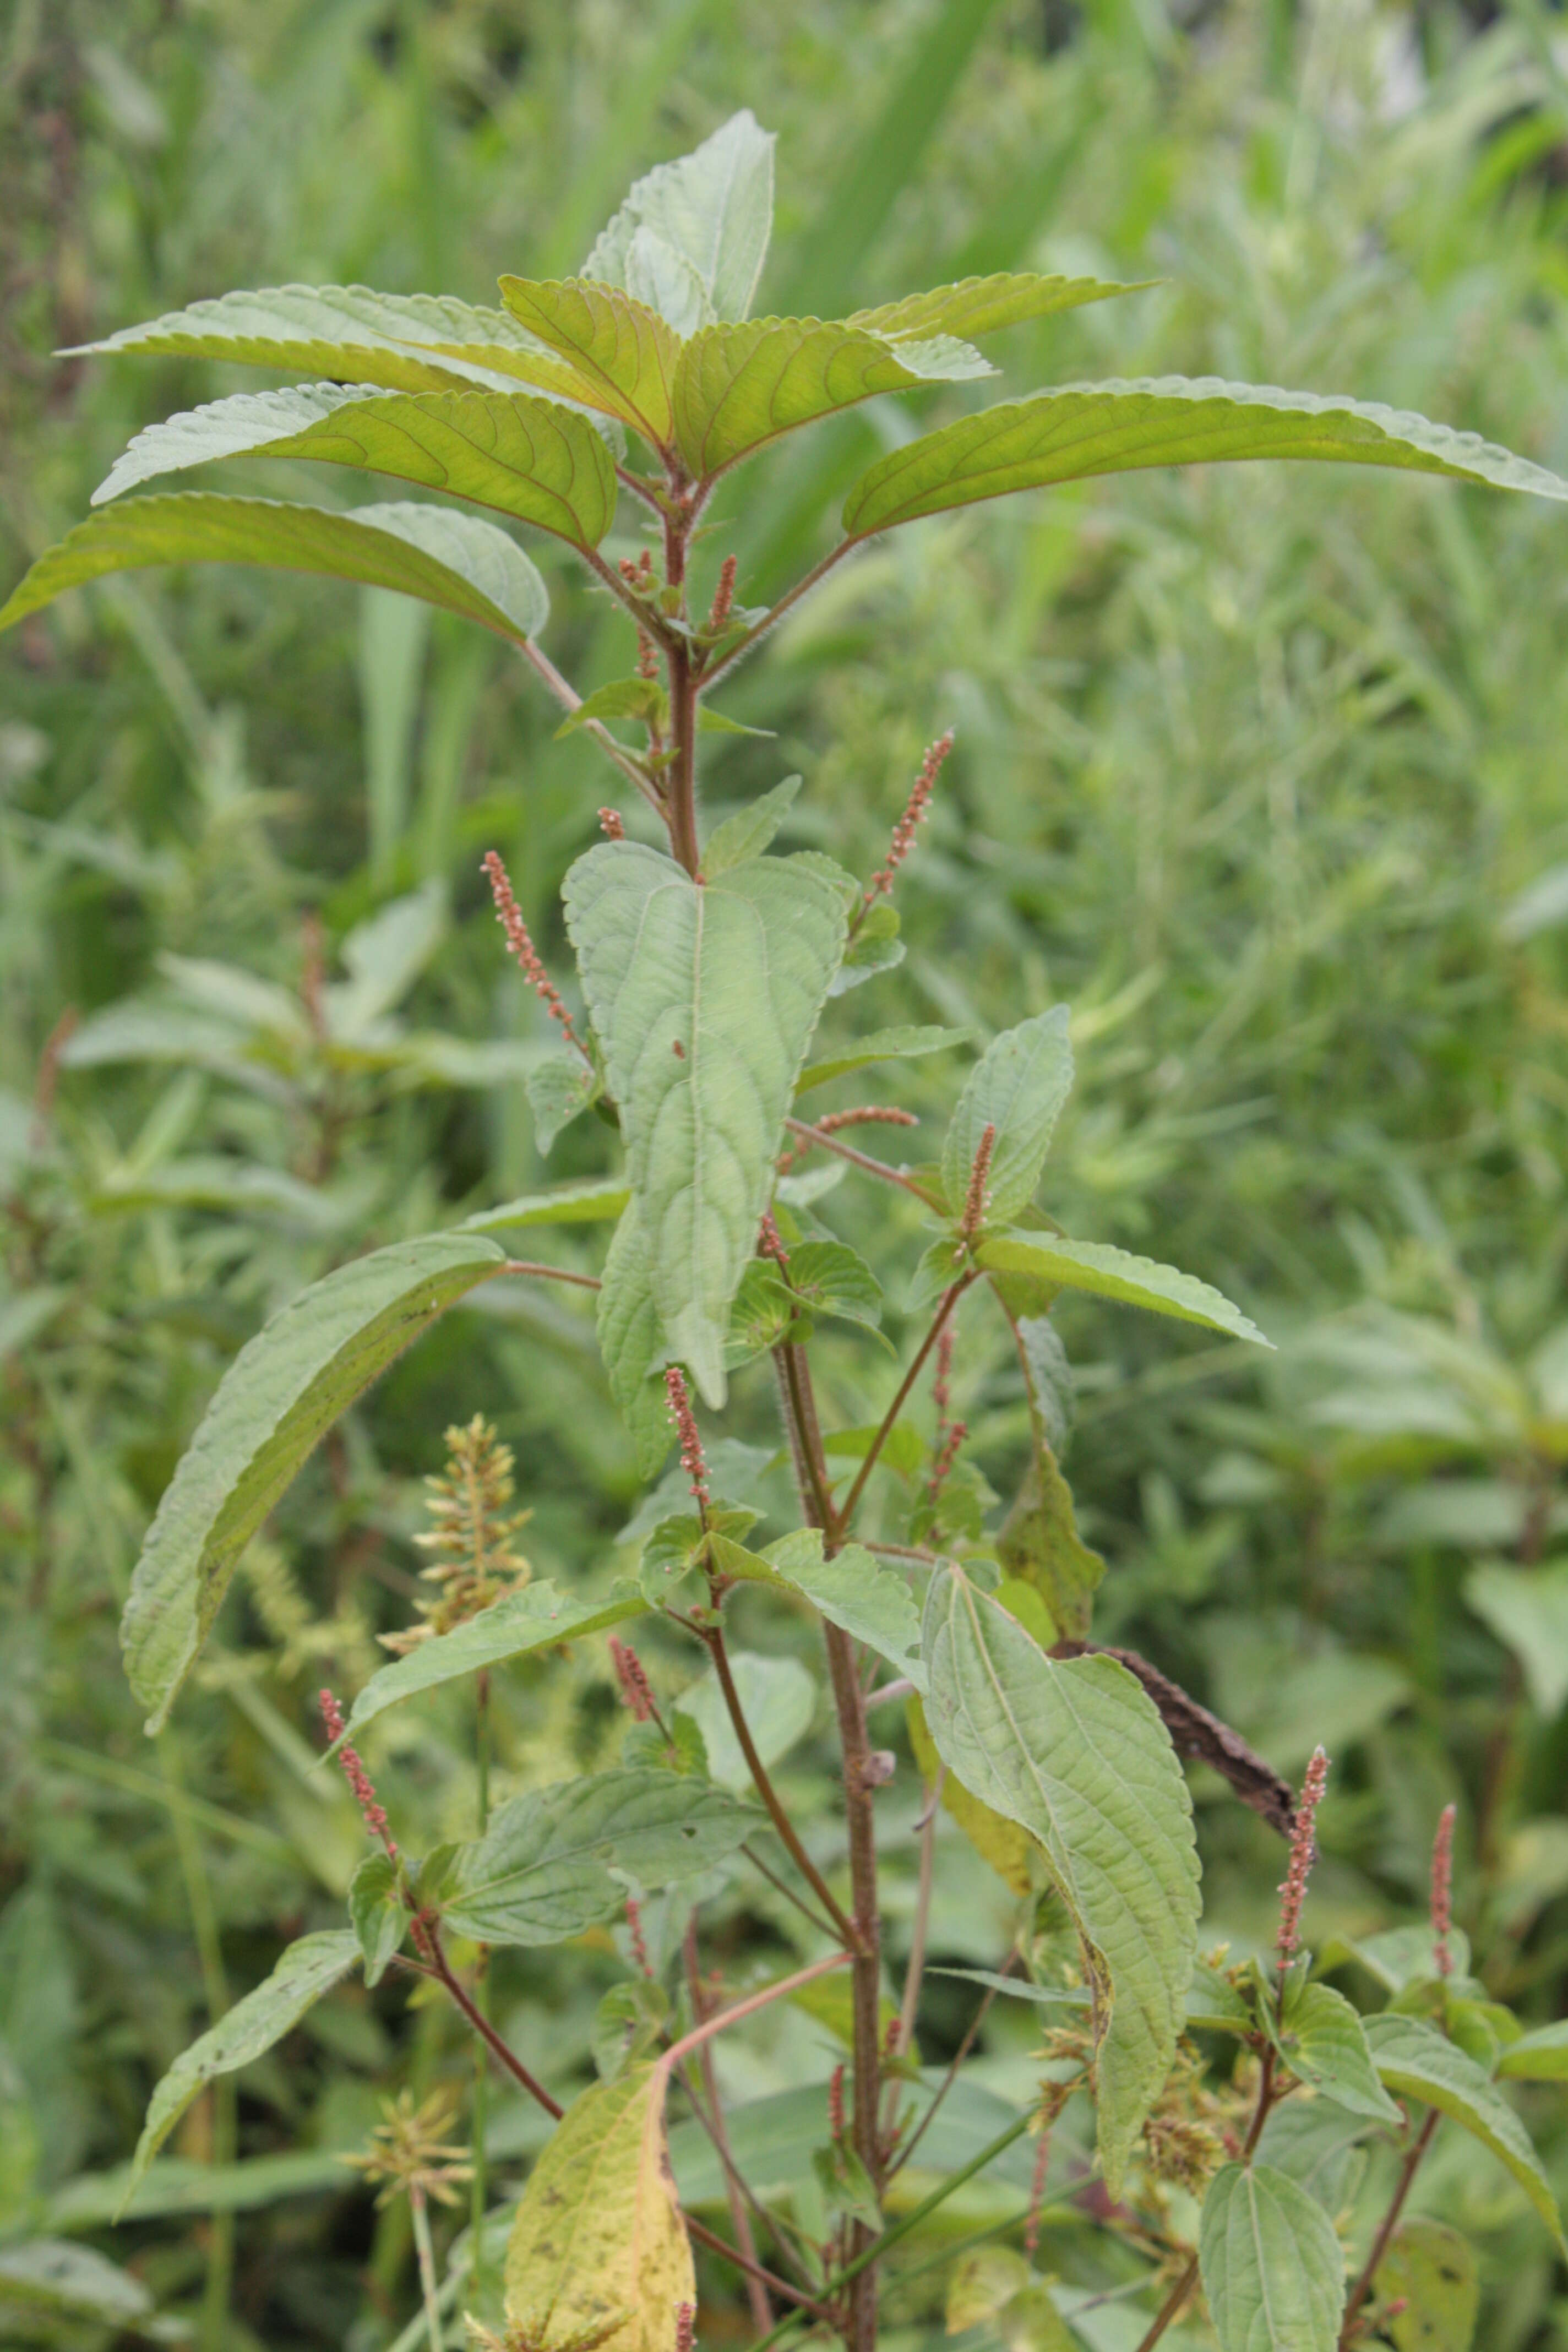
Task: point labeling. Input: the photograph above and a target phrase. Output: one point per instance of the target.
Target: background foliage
(1260, 770)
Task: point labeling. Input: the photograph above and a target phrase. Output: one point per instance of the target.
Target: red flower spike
(356, 1776)
(1303, 1851)
(769, 1243)
(636, 1696)
(723, 595)
(975, 1198)
(509, 917)
(1442, 1890)
(685, 2326)
(685, 1420)
(914, 816)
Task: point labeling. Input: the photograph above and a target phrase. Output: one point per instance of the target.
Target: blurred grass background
(1263, 770)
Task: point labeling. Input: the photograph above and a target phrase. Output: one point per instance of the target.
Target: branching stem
(949, 1300)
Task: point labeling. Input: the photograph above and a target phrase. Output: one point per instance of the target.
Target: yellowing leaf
(1431, 2270)
(995, 1838)
(598, 2260)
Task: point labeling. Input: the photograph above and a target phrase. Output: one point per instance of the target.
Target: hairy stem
(809, 1134)
(909, 2008)
(428, 1936)
(551, 1273)
(1386, 2228)
(570, 700)
(949, 1300)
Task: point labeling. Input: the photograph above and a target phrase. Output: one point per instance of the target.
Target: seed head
(1303, 1853)
(509, 917)
(356, 1776)
(1442, 1890)
(723, 595)
(685, 1420)
(636, 1696)
(908, 825)
(974, 1200)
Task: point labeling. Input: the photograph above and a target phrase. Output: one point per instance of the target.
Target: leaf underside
(1273, 2269)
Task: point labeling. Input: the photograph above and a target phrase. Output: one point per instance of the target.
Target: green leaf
(1107, 1272)
(778, 1698)
(1414, 2062)
(1538, 2057)
(713, 209)
(763, 1313)
(904, 1044)
(999, 1842)
(740, 387)
(830, 1278)
(378, 1914)
(1075, 1753)
(588, 1201)
(631, 1342)
(456, 561)
(703, 998)
(1215, 2004)
(619, 355)
(853, 1591)
(623, 697)
(1272, 2268)
(529, 458)
(1527, 1609)
(542, 1871)
(982, 306)
(1402, 1958)
(1113, 428)
(1038, 1543)
(47, 2283)
(1314, 2141)
(718, 722)
(280, 1395)
(558, 1089)
(1019, 1988)
(598, 2259)
(1322, 2042)
(307, 1970)
(403, 342)
(750, 830)
(1018, 1085)
(537, 1618)
(628, 2024)
(1432, 2271)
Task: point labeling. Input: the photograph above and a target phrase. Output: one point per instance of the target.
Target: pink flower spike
(1442, 1890)
(685, 1420)
(1303, 1852)
(908, 825)
(356, 1776)
(975, 1198)
(632, 1679)
(517, 939)
(685, 2326)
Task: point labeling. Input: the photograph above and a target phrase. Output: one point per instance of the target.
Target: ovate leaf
(1272, 2268)
(1113, 428)
(598, 2255)
(740, 387)
(713, 207)
(703, 998)
(542, 1870)
(631, 1341)
(996, 1840)
(1414, 2062)
(405, 342)
(1075, 1753)
(308, 1969)
(537, 1618)
(278, 1398)
(531, 459)
(1107, 1272)
(981, 306)
(457, 561)
(904, 1044)
(1019, 1087)
(1431, 2270)
(750, 830)
(1323, 2044)
(618, 355)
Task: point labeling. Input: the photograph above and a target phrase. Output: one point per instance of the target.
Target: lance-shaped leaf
(1273, 2270)
(308, 1969)
(1415, 2062)
(981, 306)
(1115, 428)
(703, 998)
(598, 2253)
(537, 1618)
(531, 459)
(738, 388)
(906, 1043)
(542, 1870)
(587, 1202)
(1075, 1753)
(616, 354)
(714, 209)
(457, 561)
(405, 342)
(1107, 1272)
(280, 1395)
(1018, 1087)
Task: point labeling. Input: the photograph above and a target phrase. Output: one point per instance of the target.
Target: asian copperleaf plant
(704, 961)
